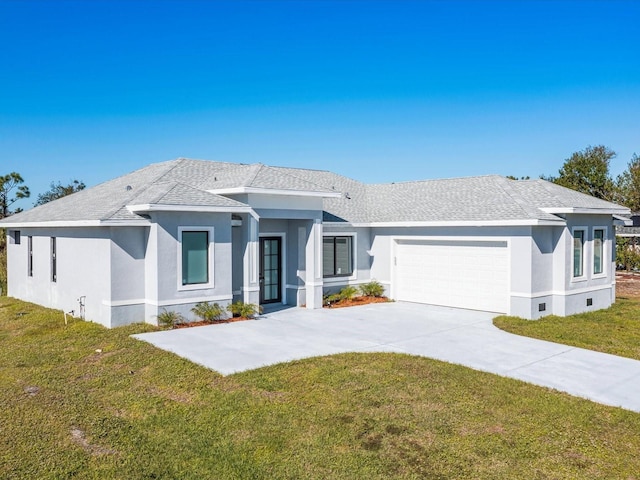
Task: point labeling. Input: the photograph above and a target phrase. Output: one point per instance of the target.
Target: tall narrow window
(16, 237)
(195, 257)
(578, 249)
(54, 261)
(337, 256)
(30, 256)
(598, 251)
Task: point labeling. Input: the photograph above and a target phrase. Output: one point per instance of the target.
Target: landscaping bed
(628, 284)
(353, 302)
(350, 296)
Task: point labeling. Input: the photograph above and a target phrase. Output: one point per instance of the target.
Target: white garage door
(463, 274)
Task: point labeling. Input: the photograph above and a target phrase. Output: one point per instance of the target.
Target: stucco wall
(363, 260)
(166, 244)
(540, 263)
(83, 270)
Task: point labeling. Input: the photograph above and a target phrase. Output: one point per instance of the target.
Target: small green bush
(372, 289)
(244, 310)
(348, 293)
(209, 312)
(169, 318)
(330, 298)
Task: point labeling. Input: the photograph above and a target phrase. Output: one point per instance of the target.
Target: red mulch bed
(628, 284)
(202, 323)
(363, 300)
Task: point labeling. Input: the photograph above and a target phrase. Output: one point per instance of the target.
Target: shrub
(208, 312)
(244, 310)
(169, 318)
(348, 293)
(330, 298)
(372, 289)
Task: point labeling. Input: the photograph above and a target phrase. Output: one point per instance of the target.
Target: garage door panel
(463, 274)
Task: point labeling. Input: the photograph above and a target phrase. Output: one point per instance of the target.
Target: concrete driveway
(458, 336)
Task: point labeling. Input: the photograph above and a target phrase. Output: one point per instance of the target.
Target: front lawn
(615, 330)
(80, 401)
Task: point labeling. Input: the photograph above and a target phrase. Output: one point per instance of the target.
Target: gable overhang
(586, 210)
(622, 221)
(77, 223)
(151, 207)
(272, 191)
(456, 223)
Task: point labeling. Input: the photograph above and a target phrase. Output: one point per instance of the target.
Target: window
(598, 251)
(578, 249)
(54, 263)
(195, 257)
(16, 237)
(30, 256)
(337, 253)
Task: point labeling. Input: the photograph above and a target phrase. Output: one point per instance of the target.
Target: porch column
(313, 259)
(151, 272)
(251, 263)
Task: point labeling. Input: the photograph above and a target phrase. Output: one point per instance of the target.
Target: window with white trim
(30, 256)
(578, 253)
(598, 251)
(337, 256)
(54, 260)
(195, 258)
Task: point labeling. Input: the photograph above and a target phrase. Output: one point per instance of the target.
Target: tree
(587, 171)
(8, 183)
(628, 185)
(59, 191)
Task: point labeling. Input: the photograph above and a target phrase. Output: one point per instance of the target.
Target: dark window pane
(195, 257)
(578, 246)
(327, 256)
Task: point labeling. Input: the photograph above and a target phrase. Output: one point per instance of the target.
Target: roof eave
(273, 191)
(455, 223)
(77, 223)
(153, 207)
(585, 210)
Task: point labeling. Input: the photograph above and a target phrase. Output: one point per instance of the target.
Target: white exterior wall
(599, 288)
(162, 276)
(83, 270)
(540, 263)
(362, 258)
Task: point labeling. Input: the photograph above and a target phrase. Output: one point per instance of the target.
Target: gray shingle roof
(189, 182)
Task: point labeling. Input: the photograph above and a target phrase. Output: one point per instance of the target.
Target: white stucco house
(179, 232)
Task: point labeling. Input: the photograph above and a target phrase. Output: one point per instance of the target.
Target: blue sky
(378, 91)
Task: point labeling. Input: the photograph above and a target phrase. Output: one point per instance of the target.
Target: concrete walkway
(458, 336)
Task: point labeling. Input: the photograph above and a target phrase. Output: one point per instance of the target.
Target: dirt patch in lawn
(362, 300)
(628, 285)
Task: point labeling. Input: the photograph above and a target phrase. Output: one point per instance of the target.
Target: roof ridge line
(110, 213)
(309, 181)
(505, 186)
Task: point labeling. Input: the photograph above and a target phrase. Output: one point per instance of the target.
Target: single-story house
(180, 232)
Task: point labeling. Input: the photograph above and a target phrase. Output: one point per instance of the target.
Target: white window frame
(30, 256)
(211, 252)
(54, 260)
(605, 252)
(585, 232)
(354, 257)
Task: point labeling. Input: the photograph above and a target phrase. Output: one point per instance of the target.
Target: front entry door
(270, 270)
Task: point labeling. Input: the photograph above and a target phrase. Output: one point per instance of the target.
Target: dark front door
(270, 270)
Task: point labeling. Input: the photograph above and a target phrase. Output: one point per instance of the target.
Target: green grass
(131, 411)
(615, 330)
